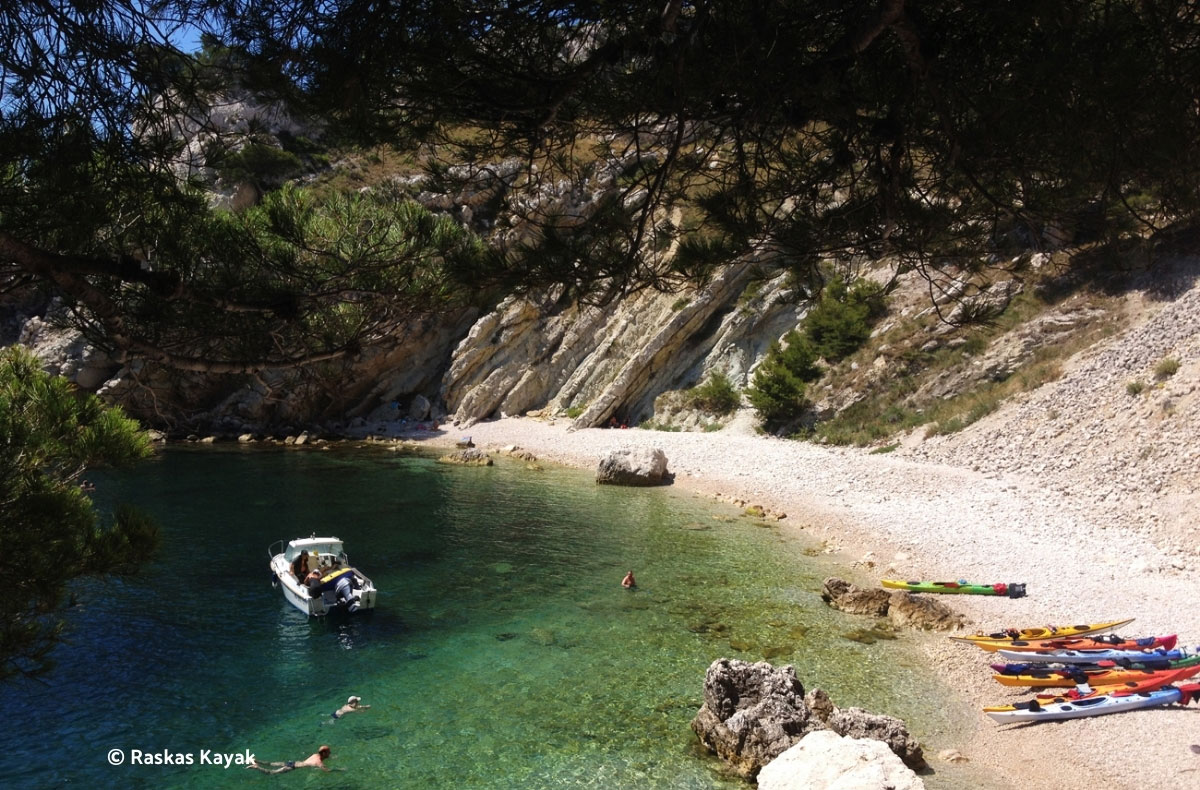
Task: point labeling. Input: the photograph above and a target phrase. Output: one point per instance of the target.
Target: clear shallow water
(503, 652)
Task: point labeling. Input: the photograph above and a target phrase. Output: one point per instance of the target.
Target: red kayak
(1087, 643)
(1154, 681)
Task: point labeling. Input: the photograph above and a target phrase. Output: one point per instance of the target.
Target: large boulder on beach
(842, 595)
(922, 611)
(634, 466)
(752, 713)
(824, 760)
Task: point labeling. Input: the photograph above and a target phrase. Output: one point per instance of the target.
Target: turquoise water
(503, 652)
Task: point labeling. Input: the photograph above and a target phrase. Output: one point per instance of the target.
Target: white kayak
(1092, 706)
(1091, 656)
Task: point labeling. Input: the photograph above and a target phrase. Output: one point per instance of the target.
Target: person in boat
(353, 705)
(314, 760)
(300, 566)
(343, 584)
(628, 582)
(313, 581)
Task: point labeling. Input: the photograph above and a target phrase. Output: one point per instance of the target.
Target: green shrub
(715, 396)
(1166, 368)
(1135, 387)
(778, 391)
(263, 165)
(574, 411)
(841, 320)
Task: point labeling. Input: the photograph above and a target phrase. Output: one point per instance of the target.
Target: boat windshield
(322, 546)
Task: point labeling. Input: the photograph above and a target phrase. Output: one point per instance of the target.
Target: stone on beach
(824, 760)
(633, 466)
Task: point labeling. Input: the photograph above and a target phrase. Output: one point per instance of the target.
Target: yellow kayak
(1003, 638)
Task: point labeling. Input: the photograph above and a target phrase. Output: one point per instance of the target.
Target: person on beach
(315, 760)
(628, 582)
(353, 705)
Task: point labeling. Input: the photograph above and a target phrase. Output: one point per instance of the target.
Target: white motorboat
(336, 586)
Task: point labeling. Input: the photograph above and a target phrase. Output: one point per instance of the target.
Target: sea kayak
(1116, 702)
(1148, 682)
(958, 587)
(1087, 643)
(1096, 676)
(1153, 665)
(1089, 656)
(1044, 632)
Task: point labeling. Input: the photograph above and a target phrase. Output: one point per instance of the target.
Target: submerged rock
(467, 458)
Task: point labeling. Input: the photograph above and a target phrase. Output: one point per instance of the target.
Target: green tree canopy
(933, 132)
(51, 533)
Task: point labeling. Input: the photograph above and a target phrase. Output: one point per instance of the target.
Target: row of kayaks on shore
(1109, 674)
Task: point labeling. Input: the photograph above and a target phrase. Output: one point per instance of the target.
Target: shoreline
(883, 515)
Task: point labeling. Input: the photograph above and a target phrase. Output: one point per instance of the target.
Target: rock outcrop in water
(900, 606)
(752, 713)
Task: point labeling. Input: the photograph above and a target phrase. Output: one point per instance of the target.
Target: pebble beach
(894, 516)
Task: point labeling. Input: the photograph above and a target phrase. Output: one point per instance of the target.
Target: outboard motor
(345, 592)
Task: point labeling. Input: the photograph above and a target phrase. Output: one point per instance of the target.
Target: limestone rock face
(922, 611)
(64, 352)
(636, 466)
(556, 355)
(842, 595)
(752, 713)
(824, 760)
